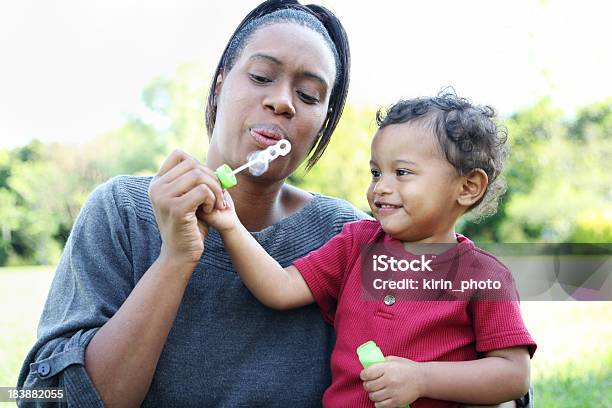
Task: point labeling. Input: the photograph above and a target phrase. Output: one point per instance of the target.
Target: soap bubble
(259, 160)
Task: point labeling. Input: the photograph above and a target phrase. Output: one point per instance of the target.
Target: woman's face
(278, 88)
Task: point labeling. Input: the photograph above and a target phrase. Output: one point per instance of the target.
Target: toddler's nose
(381, 187)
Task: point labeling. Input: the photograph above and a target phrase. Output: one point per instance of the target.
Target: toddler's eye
(375, 173)
(403, 172)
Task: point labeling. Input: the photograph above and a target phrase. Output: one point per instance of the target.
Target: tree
(555, 175)
(344, 169)
(175, 109)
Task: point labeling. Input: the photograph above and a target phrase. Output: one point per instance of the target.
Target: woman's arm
(122, 356)
(274, 286)
(502, 375)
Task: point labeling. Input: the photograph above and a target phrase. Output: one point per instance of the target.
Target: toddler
(432, 160)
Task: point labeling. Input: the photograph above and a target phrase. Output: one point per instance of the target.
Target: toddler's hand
(395, 383)
(222, 220)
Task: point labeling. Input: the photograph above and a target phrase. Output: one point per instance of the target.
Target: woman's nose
(280, 101)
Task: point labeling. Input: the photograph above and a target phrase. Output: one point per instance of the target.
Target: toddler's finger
(227, 199)
(379, 396)
(374, 385)
(388, 403)
(372, 373)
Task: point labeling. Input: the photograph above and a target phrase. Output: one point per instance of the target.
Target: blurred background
(91, 90)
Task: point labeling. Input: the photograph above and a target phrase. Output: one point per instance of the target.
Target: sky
(71, 70)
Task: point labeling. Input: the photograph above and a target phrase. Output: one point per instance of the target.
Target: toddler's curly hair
(469, 136)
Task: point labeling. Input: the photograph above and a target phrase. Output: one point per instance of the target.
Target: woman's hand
(394, 383)
(180, 188)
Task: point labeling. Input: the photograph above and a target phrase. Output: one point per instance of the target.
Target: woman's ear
(218, 84)
(473, 187)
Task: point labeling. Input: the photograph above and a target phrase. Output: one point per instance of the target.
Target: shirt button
(44, 369)
(389, 300)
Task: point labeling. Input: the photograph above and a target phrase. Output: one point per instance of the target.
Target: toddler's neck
(432, 245)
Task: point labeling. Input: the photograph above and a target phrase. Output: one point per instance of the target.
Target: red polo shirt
(432, 330)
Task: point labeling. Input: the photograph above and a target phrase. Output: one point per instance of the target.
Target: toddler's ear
(473, 187)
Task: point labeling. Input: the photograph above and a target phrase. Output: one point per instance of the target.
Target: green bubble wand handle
(369, 353)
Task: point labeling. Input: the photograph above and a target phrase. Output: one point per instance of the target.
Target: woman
(145, 307)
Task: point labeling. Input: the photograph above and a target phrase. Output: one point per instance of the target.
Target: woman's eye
(311, 100)
(375, 173)
(402, 172)
(259, 79)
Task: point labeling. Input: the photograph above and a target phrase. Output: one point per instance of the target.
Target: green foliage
(176, 109)
(593, 225)
(344, 169)
(593, 122)
(5, 167)
(42, 187)
(134, 148)
(34, 184)
(559, 183)
(9, 221)
(558, 178)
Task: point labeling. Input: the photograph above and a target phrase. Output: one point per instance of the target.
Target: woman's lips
(265, 137)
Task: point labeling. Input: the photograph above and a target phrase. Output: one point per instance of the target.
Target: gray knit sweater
(225, 349)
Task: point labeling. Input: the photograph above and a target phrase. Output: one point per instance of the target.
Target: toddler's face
(414, 189)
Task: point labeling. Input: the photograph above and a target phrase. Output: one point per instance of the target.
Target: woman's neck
(261, 202)
(258, 205)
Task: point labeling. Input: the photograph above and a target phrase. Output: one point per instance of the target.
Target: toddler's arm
(503, 375)
(275, 286)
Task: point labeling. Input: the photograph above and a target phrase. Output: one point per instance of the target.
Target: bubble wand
(257, 163)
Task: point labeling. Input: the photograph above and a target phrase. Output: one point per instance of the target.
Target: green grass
(570, 389)
(573, 364)
(571, 368)
(22, 295)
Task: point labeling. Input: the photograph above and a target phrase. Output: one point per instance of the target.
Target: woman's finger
(200, 195)
(215, 187)
(189, 180)
(172, 160)
(179, 169)
(202, 227)
(193, 175)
